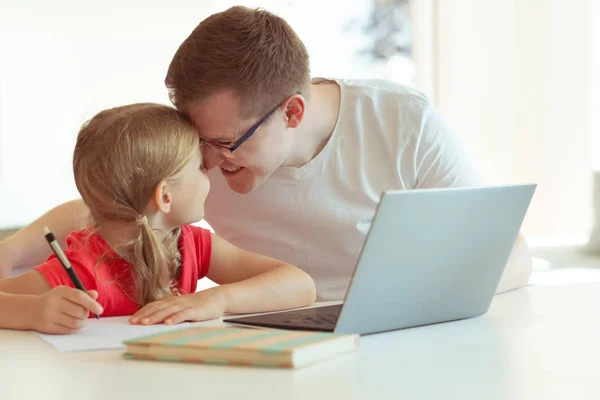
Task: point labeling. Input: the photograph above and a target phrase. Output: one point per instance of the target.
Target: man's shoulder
(384, 90)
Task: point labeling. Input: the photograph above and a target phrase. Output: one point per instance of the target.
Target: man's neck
(320, 118)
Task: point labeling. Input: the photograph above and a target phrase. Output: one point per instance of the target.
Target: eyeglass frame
(248, 133)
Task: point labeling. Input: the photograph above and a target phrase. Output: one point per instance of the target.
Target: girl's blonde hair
(120, 157)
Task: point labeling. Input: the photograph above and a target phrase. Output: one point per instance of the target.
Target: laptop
(430, 256)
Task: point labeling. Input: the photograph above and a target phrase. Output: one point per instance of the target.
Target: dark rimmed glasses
(232, 146)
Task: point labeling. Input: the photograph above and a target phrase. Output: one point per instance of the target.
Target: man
(297, 165)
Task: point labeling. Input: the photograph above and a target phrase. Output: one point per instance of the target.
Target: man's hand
(62, 310)
(6, 259)
(200, 306)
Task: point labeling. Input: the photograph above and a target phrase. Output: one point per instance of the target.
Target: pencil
(64, 261)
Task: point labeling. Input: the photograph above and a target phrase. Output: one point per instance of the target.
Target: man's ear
(294, 110)
(163, 198)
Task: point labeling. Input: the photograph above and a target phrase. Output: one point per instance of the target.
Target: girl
(139, 170)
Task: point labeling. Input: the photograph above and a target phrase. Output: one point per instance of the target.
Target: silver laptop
(430, 256)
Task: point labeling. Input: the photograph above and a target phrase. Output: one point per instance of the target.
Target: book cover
(241, 346)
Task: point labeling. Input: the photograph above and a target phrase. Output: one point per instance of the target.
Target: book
(241, 346)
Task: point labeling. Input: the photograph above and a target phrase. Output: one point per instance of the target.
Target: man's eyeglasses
(232, 146)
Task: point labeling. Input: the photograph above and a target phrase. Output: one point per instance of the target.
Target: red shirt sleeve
(54, 273)
(195, 247)
(202, 239)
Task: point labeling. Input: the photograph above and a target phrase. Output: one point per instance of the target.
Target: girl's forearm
(13, 311)
(281, 288)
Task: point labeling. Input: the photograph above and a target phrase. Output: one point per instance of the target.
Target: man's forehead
(223, 103)
(215, 114)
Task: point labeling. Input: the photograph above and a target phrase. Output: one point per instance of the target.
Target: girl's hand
(62, 310)
(200, 306)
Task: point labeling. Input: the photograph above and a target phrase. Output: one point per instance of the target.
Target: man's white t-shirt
(316, 217)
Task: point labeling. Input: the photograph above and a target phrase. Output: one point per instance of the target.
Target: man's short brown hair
(250, 51)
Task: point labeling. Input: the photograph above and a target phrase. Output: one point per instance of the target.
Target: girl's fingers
(179, 317)
(59, 329)
(69, 322)
(82, 299)
(151, 308)
(145, 311)
(74, 310)
(160, 315)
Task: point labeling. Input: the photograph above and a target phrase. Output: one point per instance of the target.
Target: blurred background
(518, 80)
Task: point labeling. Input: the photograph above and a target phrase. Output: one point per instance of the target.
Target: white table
(540, 342)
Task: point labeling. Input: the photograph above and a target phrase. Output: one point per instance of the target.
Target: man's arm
(442, 161)
(28, 248)
(518, 268)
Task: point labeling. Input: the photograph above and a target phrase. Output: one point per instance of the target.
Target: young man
(297, 165)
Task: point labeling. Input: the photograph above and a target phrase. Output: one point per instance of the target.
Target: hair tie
(141, 220)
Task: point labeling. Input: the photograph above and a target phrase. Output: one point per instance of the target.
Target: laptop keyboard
(318, 318)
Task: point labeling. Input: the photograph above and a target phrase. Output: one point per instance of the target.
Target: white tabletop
(541, 342)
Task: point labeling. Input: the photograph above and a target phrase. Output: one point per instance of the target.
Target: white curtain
(515, 80)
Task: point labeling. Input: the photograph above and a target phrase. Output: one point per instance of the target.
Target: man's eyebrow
(217, 139)
(234, 134)
(228, 140)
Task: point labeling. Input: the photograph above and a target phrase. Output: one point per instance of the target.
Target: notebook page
(108, 334)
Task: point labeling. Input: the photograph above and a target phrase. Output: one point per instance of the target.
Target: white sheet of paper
(105, 334)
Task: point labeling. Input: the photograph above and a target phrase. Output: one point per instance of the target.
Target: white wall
(514, 78)
(595, 103)
(63, 61)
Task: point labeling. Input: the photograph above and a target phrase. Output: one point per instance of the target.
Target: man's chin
(244, 186)
(245, 181)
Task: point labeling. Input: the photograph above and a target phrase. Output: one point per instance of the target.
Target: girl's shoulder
(195, 244)
(196, 237)
(195, 231)
(88, 242)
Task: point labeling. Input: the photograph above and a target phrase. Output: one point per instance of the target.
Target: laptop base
(309, 319)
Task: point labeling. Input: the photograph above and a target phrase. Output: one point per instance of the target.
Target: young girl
(139, 170)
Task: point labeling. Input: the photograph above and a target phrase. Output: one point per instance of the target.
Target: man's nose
(211, 157)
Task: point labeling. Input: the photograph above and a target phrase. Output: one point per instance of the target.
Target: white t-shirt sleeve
(441, 159)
